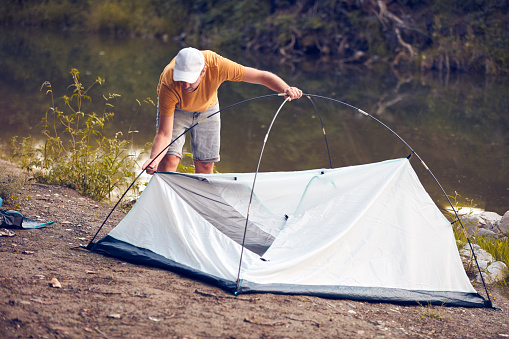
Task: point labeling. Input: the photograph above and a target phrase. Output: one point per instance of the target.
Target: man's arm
(161, 140)
(272, 81)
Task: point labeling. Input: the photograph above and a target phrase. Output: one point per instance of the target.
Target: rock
(471, 223)
(483, 257)
(488, 233)
(483, 222)
(492, 271)
(489, 220)
(503, 225)
(495, 272)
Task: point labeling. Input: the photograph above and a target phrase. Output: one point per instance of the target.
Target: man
(187, 94)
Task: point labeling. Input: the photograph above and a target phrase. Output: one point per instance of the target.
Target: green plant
(498, 248)
(10, 185)
(75, 153)
(431, 312)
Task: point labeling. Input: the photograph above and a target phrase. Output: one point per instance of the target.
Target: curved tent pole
(256, 173)
(252, 192)
(91, 242)
(323, 128)
(489, 303)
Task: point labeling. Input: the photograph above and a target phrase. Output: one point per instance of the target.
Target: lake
(457, 123)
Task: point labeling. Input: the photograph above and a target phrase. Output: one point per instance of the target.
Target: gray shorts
(205, 136)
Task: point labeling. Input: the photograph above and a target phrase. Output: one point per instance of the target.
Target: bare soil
(106, 297)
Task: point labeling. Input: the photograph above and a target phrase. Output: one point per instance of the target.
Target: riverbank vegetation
(443, 35)
(74, 152)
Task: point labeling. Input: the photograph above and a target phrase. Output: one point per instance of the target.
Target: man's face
(186, 86)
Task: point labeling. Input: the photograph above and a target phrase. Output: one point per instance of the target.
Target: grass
(74, 152)
(10, 185)
(498, 248)
(430, 311)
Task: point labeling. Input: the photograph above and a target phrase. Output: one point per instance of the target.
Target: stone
(484, 259)
(488, 233)
(477, 223)
(503, 225)
(495, 272)
(489, 220)
(471, 223)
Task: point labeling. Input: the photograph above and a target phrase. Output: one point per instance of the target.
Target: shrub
(74, 152)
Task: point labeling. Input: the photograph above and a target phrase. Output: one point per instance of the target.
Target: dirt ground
(102, 297)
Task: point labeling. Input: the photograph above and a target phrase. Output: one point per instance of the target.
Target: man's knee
(169, 163)
(204, 167)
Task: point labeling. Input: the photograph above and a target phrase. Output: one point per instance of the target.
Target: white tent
(368, 232)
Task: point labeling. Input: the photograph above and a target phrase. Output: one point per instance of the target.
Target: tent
(368, 232)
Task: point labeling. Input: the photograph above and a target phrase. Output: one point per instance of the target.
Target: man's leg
(204, 167)
(169, 163)
(205, 140)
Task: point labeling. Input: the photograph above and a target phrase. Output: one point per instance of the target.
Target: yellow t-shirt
(219, 70)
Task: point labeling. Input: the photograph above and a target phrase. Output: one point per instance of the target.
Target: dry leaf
(55, 283)
(7, 233)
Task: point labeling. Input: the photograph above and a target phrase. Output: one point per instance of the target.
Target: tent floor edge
(119, 249)
(374, 294)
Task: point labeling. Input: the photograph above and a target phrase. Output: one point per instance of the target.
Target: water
(458, 124)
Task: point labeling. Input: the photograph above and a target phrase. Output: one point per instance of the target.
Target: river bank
(445, 36)
(105, 297)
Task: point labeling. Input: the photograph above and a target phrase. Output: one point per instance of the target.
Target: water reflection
(458, 123)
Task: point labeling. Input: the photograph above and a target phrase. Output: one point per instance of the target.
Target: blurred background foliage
(444, 35)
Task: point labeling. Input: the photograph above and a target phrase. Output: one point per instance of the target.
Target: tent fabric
(16, 220)
(367, 232)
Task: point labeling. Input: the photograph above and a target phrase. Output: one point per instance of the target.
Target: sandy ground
(109, 298)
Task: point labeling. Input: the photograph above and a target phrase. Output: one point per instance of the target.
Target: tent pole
(323, 129)
(252, 192)
(489, 304)
(90, 245)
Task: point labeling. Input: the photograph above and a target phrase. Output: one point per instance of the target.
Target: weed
(431, 312)
(75, 153)
(498, 248)
(10, 185)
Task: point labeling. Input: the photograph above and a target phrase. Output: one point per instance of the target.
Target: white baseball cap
(188, 65)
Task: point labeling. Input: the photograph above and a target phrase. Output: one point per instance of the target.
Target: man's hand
(150, 169)
(293, 93)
